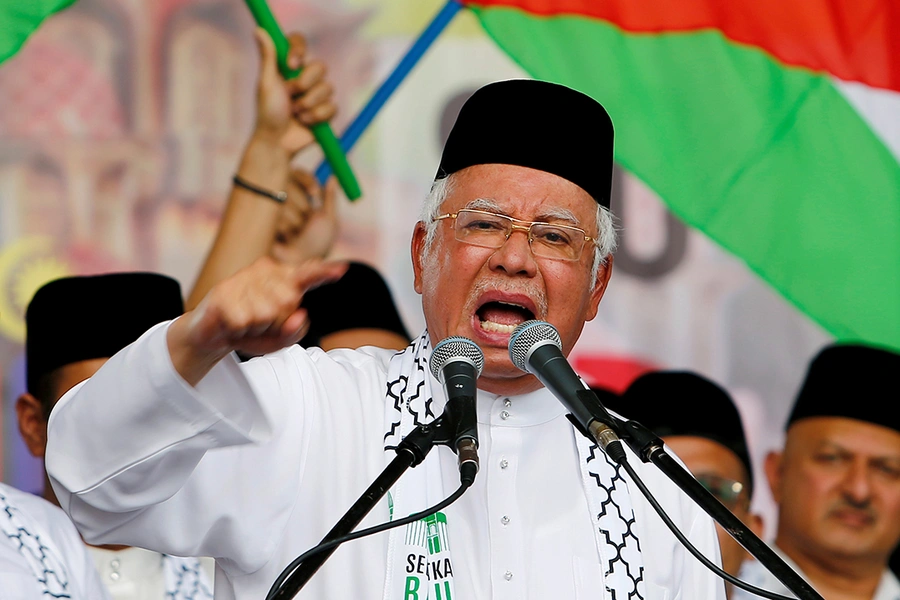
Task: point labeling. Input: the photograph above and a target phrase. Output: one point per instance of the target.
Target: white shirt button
(507, 403)
(504, 519)
(508, 575)
(114, 575)
(504, 463)
(504, 415)
(114, 563)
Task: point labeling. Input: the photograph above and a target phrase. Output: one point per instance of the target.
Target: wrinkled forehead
(843, 434)
(520, 192)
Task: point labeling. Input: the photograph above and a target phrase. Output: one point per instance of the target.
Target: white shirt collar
(525, 410)
(127, 565)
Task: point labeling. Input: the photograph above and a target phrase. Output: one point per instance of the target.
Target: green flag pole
(334, 154)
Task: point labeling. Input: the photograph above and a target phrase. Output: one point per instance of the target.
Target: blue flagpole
(393, 81)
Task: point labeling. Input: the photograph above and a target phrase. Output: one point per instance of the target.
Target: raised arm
(284, 109)
(154, 449)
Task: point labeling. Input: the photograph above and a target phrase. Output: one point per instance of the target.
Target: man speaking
(192, 453)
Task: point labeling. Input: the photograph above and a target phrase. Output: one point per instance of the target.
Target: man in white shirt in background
(41, 553)
(837, 480)
(73, 325)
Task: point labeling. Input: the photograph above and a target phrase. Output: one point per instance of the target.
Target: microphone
(535, 347)
(457, 363)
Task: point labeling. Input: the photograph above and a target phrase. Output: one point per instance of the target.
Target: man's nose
(514, 257)
(857, 485)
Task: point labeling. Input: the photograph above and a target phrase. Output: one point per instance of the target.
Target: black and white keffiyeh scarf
(185, 579)
(410, 401)
(41, 554)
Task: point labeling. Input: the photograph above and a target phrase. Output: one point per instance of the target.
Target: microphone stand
(410, 453)
(649, 448)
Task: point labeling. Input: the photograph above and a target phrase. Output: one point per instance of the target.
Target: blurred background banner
(757, 190)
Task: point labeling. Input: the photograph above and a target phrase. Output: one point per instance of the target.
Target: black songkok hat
(336, 306)
(93, 316)
(673, 403)
(506, 123)
(853, 381)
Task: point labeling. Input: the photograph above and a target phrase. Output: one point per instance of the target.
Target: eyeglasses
(491, 230)
(730, 493)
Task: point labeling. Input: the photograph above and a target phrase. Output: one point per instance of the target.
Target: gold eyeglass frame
(524, 226)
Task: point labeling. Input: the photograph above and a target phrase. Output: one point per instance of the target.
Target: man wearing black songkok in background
(837, 480)
(73, 325)
(700, 423)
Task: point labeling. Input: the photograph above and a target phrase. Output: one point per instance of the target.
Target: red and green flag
(771, 126)
(19, 18)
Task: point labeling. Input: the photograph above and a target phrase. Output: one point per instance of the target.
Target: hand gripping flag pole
(334, 155)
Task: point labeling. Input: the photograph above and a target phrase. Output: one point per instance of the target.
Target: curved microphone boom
(535, 347)
(457, 363)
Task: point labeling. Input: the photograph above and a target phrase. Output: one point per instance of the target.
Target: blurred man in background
(74, 325)
(700, 423)
(837, 480)
(41, 554)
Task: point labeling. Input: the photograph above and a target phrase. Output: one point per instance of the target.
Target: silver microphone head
(529, 335)
(455, 348)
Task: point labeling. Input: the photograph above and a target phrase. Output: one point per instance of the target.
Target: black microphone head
(452, 349)
(526, 337)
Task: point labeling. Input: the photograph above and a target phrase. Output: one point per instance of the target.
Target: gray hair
(604, 244)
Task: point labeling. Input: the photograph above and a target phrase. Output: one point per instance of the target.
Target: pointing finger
(312, 274)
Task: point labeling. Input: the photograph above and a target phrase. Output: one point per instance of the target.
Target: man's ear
(32, 424)
(772, 466)
(417, 248)
(600, 287)
(755, 523)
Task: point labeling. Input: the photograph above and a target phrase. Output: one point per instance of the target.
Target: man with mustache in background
(252, 463)
(837, 481)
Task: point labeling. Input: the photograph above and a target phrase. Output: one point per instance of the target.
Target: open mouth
(502, 317)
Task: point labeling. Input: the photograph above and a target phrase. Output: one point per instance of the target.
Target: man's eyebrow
(559, 214)
(553, 214)
(892, 461)
(485, 204)
(835, 446)
(831, 445)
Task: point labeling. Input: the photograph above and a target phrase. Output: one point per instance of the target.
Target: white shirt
(40, 551)
(753, 572)
(257, 463)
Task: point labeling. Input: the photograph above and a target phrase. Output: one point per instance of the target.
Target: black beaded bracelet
(280, 197)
